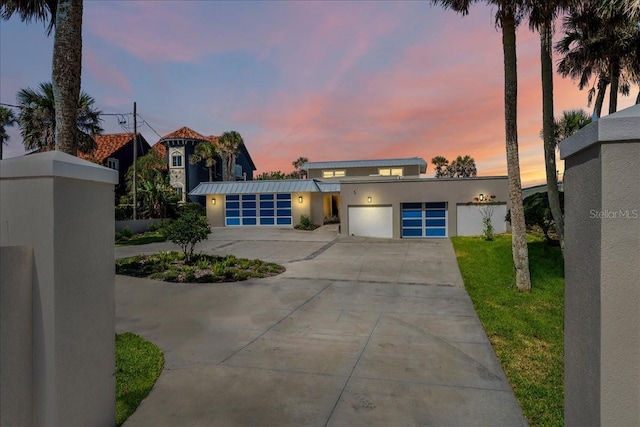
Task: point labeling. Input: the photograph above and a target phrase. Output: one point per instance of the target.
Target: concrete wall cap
(621, 126)
(56, 164)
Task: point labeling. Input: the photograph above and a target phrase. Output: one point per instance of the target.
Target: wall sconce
(299, 199)
(369, 199)
(213, 201)
(481, 197)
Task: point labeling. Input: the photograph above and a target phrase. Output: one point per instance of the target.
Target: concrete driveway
(356, 332)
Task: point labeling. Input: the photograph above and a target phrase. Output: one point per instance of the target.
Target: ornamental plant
(485, 208)
(189, 229)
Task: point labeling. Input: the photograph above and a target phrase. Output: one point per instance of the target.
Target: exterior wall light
(213, 201)
(481, 197)
(369, 199)
(299, 199)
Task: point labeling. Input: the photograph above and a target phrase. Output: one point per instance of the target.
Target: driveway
(357, 331)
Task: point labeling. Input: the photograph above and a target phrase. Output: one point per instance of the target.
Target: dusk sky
(324, 80)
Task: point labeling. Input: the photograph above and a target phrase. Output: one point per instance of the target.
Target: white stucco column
(62, 208)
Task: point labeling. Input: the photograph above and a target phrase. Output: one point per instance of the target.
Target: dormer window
(176, 160)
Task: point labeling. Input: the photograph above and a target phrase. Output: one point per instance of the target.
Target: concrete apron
(356, 332)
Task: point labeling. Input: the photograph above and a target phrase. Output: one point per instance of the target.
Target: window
(178, 190)
(176, 160)
(113, 163)
(333, 173)
(391, 171)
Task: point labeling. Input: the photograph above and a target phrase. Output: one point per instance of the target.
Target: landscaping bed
(202, 268)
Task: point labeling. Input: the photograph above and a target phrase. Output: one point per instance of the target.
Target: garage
(427, 219)
(371, 221)
(258, 209)
(470, 218)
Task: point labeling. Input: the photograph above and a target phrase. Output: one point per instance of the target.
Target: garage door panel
(258, 209)
(371, 221)
(469, 220)
(427, 219)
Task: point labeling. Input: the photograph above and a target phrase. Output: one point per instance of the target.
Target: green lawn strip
(138, 366)
(170, 267)
(141, 239)
(526, 330)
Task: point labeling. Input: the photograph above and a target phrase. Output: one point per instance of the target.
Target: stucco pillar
(62, 208)
(602, 272)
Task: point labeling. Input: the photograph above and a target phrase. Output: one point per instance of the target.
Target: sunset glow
(323, 80)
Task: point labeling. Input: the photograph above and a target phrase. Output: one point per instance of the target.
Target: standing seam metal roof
(365, 163)
(259, 187)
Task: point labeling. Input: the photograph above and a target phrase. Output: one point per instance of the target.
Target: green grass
(138, 366)
(526, 330)
(170, 267)
(140, 239)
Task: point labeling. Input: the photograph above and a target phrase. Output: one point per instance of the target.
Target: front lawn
(525, 330)
(171, 267)
(138, 366)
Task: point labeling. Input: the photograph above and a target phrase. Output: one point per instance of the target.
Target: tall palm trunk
(615, 81)
(602, 89)
(518, 230)
(548, 129)
(66, 73)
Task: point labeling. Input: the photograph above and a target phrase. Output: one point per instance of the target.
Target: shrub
(189, 229)
(537, 213)
(192, 207)
(305, 223)
(333, 219)
(126, 233)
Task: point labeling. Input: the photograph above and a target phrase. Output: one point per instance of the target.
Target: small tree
(189, 229)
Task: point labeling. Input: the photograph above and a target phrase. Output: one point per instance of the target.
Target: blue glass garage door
(424, 220)
(258, 209)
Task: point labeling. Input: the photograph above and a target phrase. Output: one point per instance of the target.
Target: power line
(150, 127)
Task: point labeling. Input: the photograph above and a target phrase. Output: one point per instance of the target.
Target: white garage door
(470, 219)
(371, 221)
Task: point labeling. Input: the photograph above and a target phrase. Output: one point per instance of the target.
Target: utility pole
(135, 158)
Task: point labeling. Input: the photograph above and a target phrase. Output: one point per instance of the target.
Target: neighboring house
(183, 176)
(373, 198)
(115, 151)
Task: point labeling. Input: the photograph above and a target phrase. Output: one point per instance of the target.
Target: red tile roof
(160, 149)
(184, 133)
(213, 139)
(106, 145)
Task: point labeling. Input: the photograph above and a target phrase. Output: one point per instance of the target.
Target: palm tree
(542, 14)
(442, 165)
(462, 167)
(38, 124)
(298, 163)
(66, 17)
(599, 44)
(570, 122)
(7, 118)
(228, 145)
(508, 14)
(205, 152)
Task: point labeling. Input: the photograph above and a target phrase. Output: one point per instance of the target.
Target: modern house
(373, 198)
(115, 151)
(183, 176)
